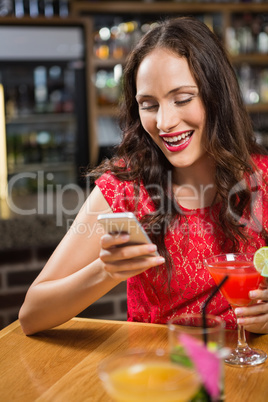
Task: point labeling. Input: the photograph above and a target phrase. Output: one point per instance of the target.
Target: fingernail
(160, 260)
(240, 321)
(152, 247)
(252, 294)
(125, 236)
(238, 311)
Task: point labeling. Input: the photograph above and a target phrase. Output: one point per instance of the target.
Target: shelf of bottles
(112, 43)
(247, 43)
(40, 121)
(34, 8)
(114, 37)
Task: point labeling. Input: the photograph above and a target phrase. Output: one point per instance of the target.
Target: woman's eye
(147, 105)
(183, 101)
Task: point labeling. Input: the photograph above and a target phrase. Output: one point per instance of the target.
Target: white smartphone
(125, 222)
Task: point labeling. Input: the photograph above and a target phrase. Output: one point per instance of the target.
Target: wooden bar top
(61, 364)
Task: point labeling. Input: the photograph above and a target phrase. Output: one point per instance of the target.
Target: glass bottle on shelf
(11, 106)
(33, 8)
(115, 41)
(40, 88)
(6, 8)
(55, 89)
(249, 84)
(63, 8)
(18, 8)
(248, 33)
(48, 8)
(101, 45)
(108, 85)
(264, 85)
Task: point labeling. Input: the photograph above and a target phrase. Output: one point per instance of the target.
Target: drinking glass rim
(151, 356)
(220, 324)
(208, 261)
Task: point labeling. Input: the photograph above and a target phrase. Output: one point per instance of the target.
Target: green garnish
(179, 356)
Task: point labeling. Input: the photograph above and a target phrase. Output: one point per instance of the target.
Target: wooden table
(61, 364)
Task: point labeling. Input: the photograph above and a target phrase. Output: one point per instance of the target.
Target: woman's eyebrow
(181, 87)
(177, 89)
(143, 96)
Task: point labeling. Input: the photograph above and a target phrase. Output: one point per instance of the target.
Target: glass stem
(242, 342)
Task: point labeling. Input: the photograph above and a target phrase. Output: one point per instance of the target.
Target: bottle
(19, 8)
(63, 8)
(6, 8)
(264, 85)
(40, 88)
(48, 8)
(33, 8)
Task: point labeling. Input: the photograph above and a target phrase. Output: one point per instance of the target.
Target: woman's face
(170, 109)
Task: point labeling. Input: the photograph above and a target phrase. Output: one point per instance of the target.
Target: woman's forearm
(50, 303)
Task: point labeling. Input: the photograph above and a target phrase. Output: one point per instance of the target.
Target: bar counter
(61, 364)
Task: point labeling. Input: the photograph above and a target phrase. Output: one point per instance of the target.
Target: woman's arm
(73, 277)
(84, 266)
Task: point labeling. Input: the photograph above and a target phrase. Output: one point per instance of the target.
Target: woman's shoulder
(107, 178)
(112, 181)
(124, 194)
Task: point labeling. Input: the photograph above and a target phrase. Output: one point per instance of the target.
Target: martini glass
(242, 277)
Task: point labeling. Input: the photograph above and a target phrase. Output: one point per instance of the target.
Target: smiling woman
(189, 168)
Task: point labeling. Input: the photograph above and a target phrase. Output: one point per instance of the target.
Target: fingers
(128, 260)
(109, 252)
(138, 263)
(128, 268)
(253, 318)
(259, 298)
(108, 240)
(126, 253)
(257, 309)
(257, 324)
(259, 294)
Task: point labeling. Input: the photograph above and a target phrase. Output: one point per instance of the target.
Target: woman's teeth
(177, 137)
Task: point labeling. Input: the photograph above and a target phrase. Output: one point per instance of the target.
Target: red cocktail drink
(242, 278)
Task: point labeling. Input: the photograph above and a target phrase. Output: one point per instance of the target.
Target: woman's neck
(194, 186)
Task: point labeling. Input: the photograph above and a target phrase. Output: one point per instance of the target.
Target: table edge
(11, 327)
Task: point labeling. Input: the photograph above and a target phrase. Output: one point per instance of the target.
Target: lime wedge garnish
(260, 261)
(264, 271)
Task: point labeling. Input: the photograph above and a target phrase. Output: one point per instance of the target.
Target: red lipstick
(179, 144)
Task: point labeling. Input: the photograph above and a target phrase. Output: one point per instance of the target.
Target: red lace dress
(150, 299)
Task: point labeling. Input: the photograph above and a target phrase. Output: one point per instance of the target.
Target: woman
(189, 168)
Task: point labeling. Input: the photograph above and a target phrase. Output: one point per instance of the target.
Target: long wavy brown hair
(230, 139)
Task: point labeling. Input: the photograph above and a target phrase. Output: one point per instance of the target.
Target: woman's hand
(126, 261)
(254, 318)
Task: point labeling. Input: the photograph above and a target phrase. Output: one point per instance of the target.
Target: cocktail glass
(147, 376)
(190, 343)
(242, 277)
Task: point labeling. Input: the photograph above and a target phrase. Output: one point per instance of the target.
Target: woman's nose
(167, 118)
